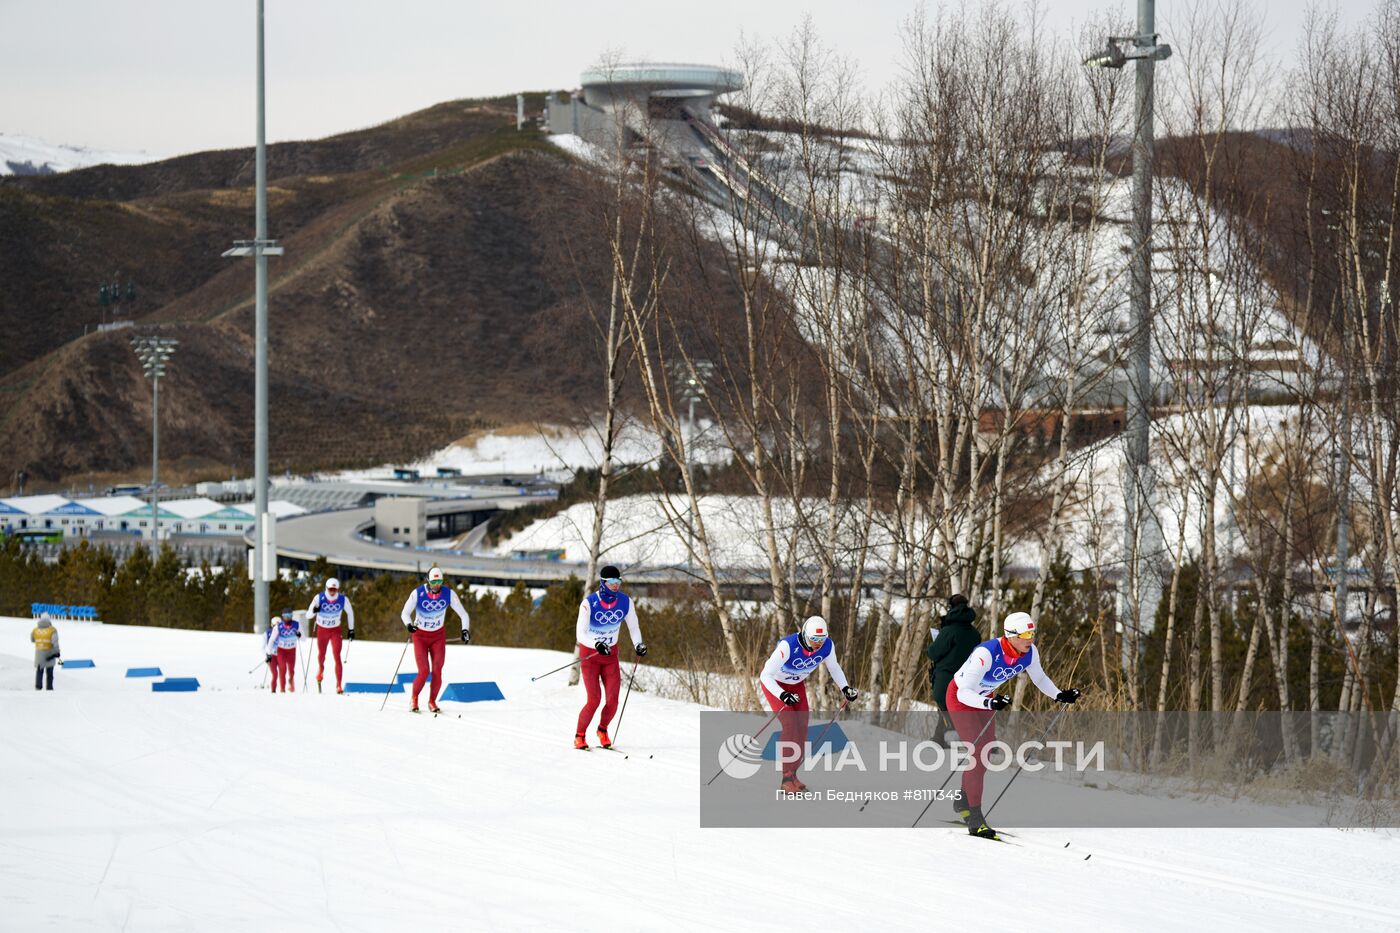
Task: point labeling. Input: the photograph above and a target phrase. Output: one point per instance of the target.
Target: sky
(172, 76)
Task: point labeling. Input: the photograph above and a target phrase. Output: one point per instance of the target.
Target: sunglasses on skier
(615, 581)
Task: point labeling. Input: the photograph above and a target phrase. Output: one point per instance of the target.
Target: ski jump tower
(639, 102)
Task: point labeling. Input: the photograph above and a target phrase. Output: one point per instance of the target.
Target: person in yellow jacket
(45, 638)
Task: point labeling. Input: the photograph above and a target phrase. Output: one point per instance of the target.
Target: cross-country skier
(600, 618)
(782, 683)
(280, 646)
(326, 608)
(45, 638)
(972, 703)
(430, 604)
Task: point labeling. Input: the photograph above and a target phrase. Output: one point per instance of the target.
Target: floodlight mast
(1141, 585)
(260, 248)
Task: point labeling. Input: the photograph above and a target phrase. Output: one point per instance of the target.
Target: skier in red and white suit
(280, 646)
(971, 702)
(782, 682)
(326, 608)
(425, 616)
(600, 618)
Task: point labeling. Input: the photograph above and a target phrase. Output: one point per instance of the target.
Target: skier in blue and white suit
(425, 616)
(601, 615)
(783, 684)
(972, 701)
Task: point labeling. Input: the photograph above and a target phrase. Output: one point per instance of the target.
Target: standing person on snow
(280, 646)
(972, 703)
(600, 618)
(326, 608)
(45, 639)
(782, 683)
(429, 632)
(957, 637)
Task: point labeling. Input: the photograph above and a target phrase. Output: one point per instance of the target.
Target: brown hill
(436, 280)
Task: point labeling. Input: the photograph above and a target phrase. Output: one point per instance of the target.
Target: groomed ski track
(235, 809)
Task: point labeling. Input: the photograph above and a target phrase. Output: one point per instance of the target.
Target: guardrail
(64, 613)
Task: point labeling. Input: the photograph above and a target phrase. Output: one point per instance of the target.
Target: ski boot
(791, 785)
(580, 743)
(960, 806)
(977, 825)
(414, 707)
(433, 707)
(603, 739)
(318, 683)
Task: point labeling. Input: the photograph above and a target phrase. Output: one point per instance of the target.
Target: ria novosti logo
(740, 756)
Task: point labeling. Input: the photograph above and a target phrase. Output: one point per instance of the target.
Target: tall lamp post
(1144, 51)
(260, 248)
(690, 382)
(154, 353)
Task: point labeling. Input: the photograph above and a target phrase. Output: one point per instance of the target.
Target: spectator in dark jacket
(956, 640)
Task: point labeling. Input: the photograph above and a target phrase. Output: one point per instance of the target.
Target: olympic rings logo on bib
(609, 616)
(433, 605)
(802, 664)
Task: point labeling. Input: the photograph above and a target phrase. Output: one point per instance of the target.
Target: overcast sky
(171, 76)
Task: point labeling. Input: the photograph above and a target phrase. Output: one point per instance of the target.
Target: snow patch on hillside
(27, 155)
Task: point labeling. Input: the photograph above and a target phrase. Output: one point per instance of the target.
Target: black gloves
(999, 702)
(850, 693)
(1068, 696)
(412, 628)
(466, 636)
(269, 660)
(601, 648)
(350, 635)
(788, 697)
(641, 649)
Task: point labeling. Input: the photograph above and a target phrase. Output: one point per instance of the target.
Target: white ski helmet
(332, 584)
(435, 577)
(813, 633)
(1019, 625)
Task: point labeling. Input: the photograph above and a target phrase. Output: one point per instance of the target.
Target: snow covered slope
(26, 155)
(235, 809)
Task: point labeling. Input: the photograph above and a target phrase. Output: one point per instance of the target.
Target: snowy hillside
(26, 155)
(232, 808)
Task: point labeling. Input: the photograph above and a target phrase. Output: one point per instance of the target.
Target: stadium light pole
(1144, 51)
(260, 247)
(154, 353)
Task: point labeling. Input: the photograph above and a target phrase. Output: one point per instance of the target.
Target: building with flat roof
(630, 101)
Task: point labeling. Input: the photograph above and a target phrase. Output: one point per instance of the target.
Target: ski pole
(556, 670)
(839, 710)
(987, 725)
(262, 664)
(307, 669)
(393, 680)
(746, 745)
(630, 677)
(1021, 767)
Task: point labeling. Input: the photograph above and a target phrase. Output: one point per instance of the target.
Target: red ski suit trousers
(601, 675)
(971, 723)
(429, 648)
(794, 723)
(328, 635)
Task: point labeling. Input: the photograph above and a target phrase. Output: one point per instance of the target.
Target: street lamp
(1123, 49)
(690, 380)
(154, 353)
(260, 248)
(1143, 50)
